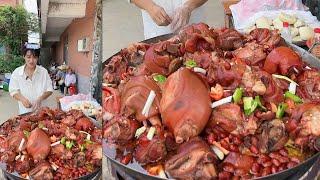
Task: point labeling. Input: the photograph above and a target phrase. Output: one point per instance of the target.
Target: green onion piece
(253, 106)
(190, 63)
(89, 167)
(63, 140)
(69, 144)
(88, 142)
(257, 99)
(82, 147)
(159, 78)
(151, 133)
(293, 151)
(289, 143)
(237, 95)
(292, 96)
(285, 78)
(249, 105)
(88, 137)
(247, 102)
(280, 110)
(140, 131)
(26, 133)
(218, 152)
(40, 125)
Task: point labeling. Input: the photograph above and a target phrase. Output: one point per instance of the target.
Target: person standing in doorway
(168, 16)
(30, 84)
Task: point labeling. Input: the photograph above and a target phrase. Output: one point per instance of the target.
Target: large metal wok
(134, 170)
(15, 176)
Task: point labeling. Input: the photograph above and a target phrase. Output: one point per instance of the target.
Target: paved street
(9, 107)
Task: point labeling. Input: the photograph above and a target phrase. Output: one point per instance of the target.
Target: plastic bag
(245, 9)
(66, 100)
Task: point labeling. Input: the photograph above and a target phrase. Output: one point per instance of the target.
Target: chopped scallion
(292, 96)
(191, 63)
(237, 95)
(159, 78)
(280, 110)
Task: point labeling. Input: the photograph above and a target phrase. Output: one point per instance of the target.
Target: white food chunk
(263, 22)
(291, 19)
(306, 32)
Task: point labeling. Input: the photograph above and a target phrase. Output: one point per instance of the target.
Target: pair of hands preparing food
(180, 17)
(26, 102)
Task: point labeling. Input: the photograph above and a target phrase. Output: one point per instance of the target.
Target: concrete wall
(122, 23)
(83, 84)
(79, 61)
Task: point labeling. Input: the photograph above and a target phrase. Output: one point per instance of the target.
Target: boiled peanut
(276, 162)
(266, 171)
(254, 149)
(255, 168)
(274, 169)
(291, 164)
(283, 152)
(228, 168)
(225, 175)
(234, 148)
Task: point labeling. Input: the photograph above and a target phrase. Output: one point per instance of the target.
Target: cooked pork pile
(212, 104)
(51, 144)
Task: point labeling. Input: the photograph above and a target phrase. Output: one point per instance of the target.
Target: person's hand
(37, 104)
(26, 103)
(159, 15)
(181, 17)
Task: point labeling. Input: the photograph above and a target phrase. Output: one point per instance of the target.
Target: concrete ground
(9, 106)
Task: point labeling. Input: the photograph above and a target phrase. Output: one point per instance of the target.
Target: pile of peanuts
(227, 141)
(263, 165)
(67, 171)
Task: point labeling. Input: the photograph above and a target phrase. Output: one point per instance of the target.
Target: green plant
(9, 63)
(15, 22)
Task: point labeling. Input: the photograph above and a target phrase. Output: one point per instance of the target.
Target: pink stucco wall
(9, 2)
(78, 29)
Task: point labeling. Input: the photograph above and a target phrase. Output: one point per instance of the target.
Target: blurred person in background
(168, 16)
(52, 73)
(30, 84)
(59, 78)
(70, 80)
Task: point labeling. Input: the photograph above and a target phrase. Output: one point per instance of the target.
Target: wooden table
(227, 12)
